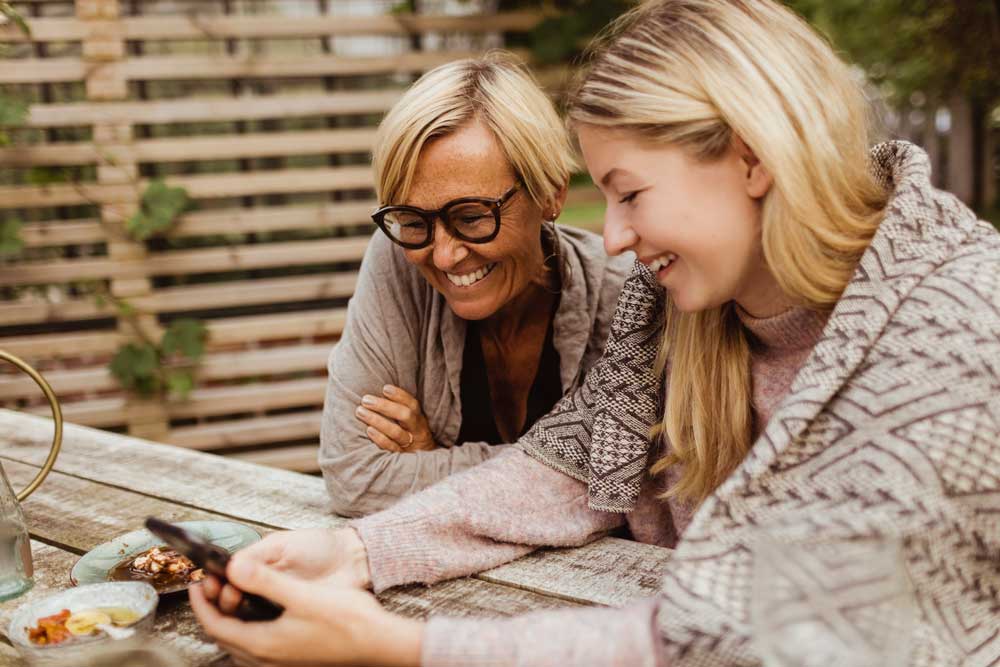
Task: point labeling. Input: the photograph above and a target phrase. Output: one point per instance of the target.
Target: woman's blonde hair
(694, 73)
(497, 90)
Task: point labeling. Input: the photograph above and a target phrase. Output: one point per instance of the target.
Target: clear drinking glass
(15, 550)
(823, 603)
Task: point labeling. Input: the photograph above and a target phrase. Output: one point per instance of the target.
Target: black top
(478, 423)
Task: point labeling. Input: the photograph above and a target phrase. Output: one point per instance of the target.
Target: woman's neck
(532, 305)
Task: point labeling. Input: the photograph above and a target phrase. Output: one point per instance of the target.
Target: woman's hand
(321, 555)
(395, 421)
(327, 624)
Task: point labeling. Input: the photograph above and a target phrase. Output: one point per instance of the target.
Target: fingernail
(389, 390)
(361, 412)
(370, 431)
(368, 399)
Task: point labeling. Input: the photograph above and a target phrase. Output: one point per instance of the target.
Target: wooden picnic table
(105, 484)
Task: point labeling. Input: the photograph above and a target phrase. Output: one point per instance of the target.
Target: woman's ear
(555, 207)
(758, 178)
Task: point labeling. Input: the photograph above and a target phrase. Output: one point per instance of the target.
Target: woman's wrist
(355, 558)
(405, 641)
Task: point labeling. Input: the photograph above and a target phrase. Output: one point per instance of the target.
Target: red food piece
(50, 629)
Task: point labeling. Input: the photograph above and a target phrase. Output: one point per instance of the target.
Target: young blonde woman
(472, 315)
(809, 345)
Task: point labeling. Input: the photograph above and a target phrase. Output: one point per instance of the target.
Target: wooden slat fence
(268, 127)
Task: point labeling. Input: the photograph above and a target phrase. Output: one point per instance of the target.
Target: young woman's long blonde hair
(694, 73)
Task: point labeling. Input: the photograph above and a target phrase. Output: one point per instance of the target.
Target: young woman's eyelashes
(629, 198)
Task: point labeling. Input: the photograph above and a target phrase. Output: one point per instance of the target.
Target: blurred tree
(944, 51)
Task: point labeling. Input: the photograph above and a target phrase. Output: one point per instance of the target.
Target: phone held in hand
(213, 559)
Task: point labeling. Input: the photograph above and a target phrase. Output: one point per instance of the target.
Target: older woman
(472, 315)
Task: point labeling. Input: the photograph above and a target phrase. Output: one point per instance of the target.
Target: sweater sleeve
(584, 637)
(379, 347)
(478, 519)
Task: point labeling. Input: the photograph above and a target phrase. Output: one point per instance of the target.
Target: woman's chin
(478, 309)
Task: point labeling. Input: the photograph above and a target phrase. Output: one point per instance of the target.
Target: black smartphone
(213, 560)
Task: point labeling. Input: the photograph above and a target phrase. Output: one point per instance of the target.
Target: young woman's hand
(321, 555)
(322, 624)
(395, 421)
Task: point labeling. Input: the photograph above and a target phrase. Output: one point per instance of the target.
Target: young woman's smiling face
(695, 224)
(477, 279)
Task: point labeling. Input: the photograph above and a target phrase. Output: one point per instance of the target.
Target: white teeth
(661, 262)
(470, 278)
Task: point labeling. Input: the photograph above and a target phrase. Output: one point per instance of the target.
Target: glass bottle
(16, 569)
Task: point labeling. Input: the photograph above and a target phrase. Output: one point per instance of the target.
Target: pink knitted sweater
(512, 504)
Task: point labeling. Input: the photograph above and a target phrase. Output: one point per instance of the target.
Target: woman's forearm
(486, 516)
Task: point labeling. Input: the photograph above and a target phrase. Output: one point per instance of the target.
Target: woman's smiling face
(695, 224)
(476, 279)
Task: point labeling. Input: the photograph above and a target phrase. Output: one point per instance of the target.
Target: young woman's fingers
(385, 426)
(383, 441)
(211, 586)
(229, 599)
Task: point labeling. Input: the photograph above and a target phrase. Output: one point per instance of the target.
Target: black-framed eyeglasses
(471, 219)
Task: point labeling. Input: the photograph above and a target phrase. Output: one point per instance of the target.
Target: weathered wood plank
(185, 149)
(235, 488)
(610, 571)
(78, 514)
(227, 221)
(214, 366)
(204, 26)
(283, 181)
(195, 110)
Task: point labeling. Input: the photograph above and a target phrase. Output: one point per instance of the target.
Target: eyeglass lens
(470, 220)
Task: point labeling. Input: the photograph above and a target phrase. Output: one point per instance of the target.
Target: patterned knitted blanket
(891, 430)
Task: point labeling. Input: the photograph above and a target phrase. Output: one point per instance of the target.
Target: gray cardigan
(401, 331)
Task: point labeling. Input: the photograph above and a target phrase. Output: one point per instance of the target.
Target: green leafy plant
(168, 367)
(10, 14)
(161, 205)
(11, 243)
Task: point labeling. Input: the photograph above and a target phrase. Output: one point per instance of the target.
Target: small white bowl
(136, 595)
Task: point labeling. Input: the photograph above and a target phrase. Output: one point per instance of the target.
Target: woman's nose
(618, 235)
(448, 250)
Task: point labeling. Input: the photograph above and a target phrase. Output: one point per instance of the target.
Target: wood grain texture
(78, 514)
(607, 572)
(610, 571)
(233, 488)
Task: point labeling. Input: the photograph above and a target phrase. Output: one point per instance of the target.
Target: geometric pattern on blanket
(891, 429)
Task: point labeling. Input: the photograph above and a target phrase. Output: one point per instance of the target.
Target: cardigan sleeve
(378, 347)
(478, 519)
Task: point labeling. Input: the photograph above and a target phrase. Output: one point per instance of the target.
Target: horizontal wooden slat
(283, 181)
(265, 291)
(194, 26)
(260, 396)
(221, 332)
(300, 458)
(203, 402)
(275, 327)
(214, 222)
(57, 345)
(219, 366)
(163, 68)
(32, 309)
(242, 432)
(208, 260)
(45, 70)
(194, 148)
(201, 109)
